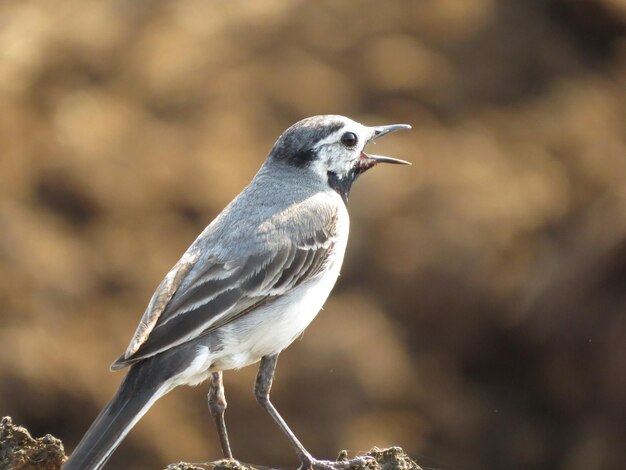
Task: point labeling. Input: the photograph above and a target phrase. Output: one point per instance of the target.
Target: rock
(392, 458)
(19, 451)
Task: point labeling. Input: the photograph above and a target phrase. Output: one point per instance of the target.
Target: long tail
(142, 386)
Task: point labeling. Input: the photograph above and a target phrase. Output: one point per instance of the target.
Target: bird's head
(332, 147)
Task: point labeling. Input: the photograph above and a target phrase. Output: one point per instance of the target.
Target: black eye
(349, 139)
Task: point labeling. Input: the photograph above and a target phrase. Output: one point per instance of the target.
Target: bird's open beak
(368, 161)
(380, 131)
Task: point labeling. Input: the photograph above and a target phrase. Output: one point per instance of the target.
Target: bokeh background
(480, 319)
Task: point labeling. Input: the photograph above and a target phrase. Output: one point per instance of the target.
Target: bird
(247, 287)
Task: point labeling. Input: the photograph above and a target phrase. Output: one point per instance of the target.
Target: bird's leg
(217, 406)
(262, 393)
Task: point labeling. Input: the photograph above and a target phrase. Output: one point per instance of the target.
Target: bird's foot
(311, 463)
(357, 462)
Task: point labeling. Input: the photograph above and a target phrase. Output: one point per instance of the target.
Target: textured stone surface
(392, 458)
(19, 451)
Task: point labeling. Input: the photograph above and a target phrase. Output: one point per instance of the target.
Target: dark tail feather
(141, 387)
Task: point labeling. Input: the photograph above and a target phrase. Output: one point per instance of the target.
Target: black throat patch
(343, 184)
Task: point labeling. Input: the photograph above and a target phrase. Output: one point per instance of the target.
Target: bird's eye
(349, 139)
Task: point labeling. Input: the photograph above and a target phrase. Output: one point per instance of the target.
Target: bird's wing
(222, 291)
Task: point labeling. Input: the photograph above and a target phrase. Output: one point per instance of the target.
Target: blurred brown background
(479, 321)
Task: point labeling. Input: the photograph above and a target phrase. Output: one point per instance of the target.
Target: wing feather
(225, 290)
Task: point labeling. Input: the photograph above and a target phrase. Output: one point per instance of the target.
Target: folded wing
(223, 290)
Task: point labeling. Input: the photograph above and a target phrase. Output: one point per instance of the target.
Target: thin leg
(217, 406)
(262, 393)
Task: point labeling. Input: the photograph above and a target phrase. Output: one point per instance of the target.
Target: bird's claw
(357, 462)
(314, 464)
(309, 463)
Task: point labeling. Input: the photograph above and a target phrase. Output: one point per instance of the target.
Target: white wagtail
(247, 286)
